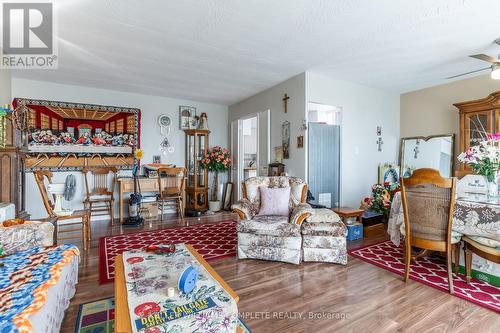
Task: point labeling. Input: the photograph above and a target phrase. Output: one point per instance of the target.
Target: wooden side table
(346, 212)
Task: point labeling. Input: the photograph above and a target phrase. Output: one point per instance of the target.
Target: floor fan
(60, 190)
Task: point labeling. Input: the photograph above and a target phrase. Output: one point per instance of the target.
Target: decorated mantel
(62, 136)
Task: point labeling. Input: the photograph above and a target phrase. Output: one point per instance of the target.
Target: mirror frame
(227, 195)
(426, 138)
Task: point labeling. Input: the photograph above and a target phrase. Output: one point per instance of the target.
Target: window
(61, 127)
(32, 120)
(112, 127)
(55, 124)
(130, 124)
(44, 121)
(119, 126)
(106, 127)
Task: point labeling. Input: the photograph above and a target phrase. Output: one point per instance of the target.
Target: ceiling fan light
(495, 72)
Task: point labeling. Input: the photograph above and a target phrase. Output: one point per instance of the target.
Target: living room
(250, 166)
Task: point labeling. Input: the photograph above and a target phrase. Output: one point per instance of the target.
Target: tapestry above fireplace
(62, 136)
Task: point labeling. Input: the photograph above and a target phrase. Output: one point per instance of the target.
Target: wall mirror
(435, 151)
(64, 136)
(227, 197)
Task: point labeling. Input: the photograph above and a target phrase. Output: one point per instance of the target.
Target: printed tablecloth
(476, 219)
(25, 279)
(209, 307)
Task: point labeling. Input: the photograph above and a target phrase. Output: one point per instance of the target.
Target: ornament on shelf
(203, 122)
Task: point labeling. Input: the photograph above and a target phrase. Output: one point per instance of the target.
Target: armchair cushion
(300, 213)
(297, 188)
(25, 236)
(274, 201)
(245, 208)
(269, 225)
(333, 229)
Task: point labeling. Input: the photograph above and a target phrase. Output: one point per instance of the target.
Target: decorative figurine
(203, 122)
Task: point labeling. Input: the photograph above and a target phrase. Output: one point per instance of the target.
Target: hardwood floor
(311, 297)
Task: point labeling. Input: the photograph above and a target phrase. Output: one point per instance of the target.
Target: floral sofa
(276, 238)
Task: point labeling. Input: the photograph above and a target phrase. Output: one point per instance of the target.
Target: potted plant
(484, 159)
(216, 160)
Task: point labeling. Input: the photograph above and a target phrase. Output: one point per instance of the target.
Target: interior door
(264, 137)
(324, 164)
(235, 155)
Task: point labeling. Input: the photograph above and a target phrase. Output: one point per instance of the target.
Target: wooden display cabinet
(197, 176)
(12, 165)
(477, 118)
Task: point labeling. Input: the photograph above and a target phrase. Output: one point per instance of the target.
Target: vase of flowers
(381, 199)
(216, 160)
(484, 159)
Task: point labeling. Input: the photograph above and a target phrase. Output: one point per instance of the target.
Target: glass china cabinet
(197, 177)
(477, 118)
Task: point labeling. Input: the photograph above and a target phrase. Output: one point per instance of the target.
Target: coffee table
(122, 315)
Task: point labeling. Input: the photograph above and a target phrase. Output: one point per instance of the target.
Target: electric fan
(60, 190)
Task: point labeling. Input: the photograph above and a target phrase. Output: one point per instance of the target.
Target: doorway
(250, 147)
(323, 154)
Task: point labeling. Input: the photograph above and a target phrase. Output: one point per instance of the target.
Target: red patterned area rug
(211, 240)
(430, 271)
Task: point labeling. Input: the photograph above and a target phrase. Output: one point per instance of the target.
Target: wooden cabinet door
(496, 125)
(476, 125)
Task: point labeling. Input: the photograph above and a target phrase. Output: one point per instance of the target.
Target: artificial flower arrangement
(484, 158)
(381, 198)
(217, 159)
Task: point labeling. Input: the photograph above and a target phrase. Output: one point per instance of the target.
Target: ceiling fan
(495, 64)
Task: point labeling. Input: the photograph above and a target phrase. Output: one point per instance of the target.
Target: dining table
(476, 216)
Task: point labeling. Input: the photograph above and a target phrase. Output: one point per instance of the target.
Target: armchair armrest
(300, 213)
(245, 209)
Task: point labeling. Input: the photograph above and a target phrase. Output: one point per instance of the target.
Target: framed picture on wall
(186, 116)
(388, 173)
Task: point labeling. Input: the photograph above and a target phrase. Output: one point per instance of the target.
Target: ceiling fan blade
(482, 69)
(485, 57)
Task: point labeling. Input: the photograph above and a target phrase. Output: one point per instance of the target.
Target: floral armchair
(276, 238)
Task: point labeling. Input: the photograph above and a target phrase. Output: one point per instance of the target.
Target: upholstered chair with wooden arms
(44, 176)
(100, 198)
(276, 238)
(428, 205)
(171, 185)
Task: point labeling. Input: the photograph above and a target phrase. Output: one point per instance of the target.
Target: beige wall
(430, 111)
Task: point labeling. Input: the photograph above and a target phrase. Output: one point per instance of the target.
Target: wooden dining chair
(486, 252)
(45, 176)
(100, 198)
(428, 205)
(171, 185)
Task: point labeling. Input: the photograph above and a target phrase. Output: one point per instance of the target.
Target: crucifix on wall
(285, 101)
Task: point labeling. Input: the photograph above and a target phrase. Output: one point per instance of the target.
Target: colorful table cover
(25, 278)
(208, 308)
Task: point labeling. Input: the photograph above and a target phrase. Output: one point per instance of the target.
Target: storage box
(354, 231)
(149, 210)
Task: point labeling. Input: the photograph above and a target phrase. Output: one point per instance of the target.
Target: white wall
(151, 107)
(5, 86)
(363, 109)
(272, 99)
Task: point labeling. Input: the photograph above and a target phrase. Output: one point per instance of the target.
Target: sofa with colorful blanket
(37, 281)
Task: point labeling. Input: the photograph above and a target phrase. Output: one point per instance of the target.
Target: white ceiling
(223, 51)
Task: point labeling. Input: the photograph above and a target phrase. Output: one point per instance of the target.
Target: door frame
(240, 157)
